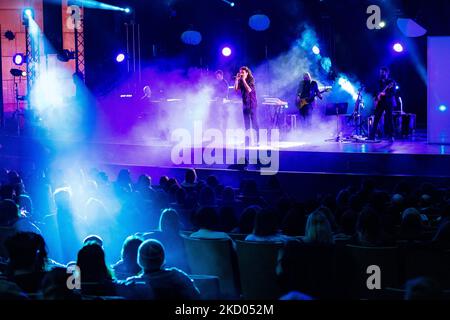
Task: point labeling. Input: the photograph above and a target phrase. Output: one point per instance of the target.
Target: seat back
(360, 258)
(257, 267)
(428, 262)
(209, 286)
(214, 258)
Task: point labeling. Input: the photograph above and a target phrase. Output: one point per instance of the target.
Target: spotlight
(226, 52)
(382, 24)
(24, 73)
(232, 4)
(398, 47)
(18, 59)
(316, 50)
(120, 57)
(127, 10)
(28, 12)
(442, 108)
(16, 72)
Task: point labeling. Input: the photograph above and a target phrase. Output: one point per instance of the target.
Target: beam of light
(92, 4)
(230, 3)
(442, 108)
(348, 87)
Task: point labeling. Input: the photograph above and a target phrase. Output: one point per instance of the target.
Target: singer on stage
(246, 84)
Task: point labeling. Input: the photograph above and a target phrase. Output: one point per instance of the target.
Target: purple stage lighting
(18, 59)
(226, 51)
(120, 57)
(398, 47)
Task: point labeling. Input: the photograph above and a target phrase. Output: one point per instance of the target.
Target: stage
(412, 157)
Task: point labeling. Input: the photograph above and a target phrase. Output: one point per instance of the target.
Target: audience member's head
(124, 177)
(9, 213)
(368, 226)
(411, 223)
(228, 195)
(91, 261)
(265, 223)
(294, 222)
(207, 196)
(318, 229)
(63, 198)
(422, 289)
(93, 238)
(163, 181)
(227, 219)
(169, 221)
(130, 249)
(206, 218)
(442, 236)
(144, 182)
(247, 219)
(151, 256)
(190, 176)
(348, 222)
(27, 252)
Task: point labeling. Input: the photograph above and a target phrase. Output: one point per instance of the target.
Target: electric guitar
(383, 93)
(301, 102)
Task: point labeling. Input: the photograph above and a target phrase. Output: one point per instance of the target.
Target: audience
(57, 207)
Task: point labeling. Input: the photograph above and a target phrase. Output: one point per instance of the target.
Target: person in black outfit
(309, 90)
(385, 102)
(246, 84)
(220, 96)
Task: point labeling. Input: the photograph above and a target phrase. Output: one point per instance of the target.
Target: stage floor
(409, 157)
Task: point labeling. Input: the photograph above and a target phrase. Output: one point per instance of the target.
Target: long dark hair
(250, 78)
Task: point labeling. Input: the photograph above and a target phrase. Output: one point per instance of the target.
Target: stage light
(120, 57)
(127, 10)
(398, 47)
(442, 108)
(28, 12)
(226, 52)
(18, 59)
(24, 73)
(191, 37)
(382, 24)
(10, 35)
(232, 4)
(316, 50)
(16, 72)
(259, 22)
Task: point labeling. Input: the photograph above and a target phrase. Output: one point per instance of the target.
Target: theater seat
(428, 262)
(360, 258)
(214, 258)
(257, 267)
(209, 286)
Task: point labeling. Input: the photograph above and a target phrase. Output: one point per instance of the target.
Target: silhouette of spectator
(166, 283)
(27, 260)
(422, 289)
(169, 236)
(96, 278)
(54, 286)
(207, 222)
(294, 222)
(247, 220)
(266, 228)
(318, 229)
(128, 266)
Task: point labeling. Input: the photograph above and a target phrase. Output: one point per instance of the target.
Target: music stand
(336, 109)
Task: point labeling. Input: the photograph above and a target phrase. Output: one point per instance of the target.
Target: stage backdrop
(439, 90)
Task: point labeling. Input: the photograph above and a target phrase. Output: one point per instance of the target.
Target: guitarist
(385, 102)
(307, 90)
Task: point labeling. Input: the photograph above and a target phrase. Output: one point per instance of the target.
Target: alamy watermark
(213, 147)
(374, 20)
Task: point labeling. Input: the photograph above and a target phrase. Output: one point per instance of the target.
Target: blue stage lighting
(442, 108)
(316, 50)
